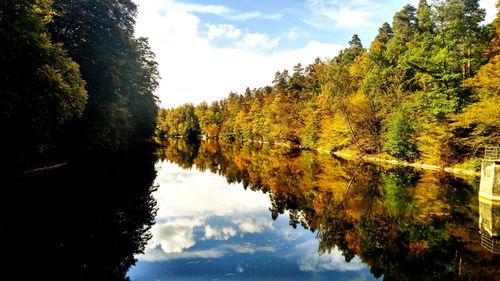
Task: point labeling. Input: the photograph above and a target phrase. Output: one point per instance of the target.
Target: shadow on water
(84, 221)
(404, 224)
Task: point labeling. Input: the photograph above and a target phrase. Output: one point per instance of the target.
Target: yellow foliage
(430, 140)
(483, 115)
(426, 194)
(334, 134)
(359, 67)
(486, 83)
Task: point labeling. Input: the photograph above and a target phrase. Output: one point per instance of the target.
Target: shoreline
(368, 158)
(424, 166)
(377, 160)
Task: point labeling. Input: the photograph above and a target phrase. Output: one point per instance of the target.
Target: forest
(74, 81)
(425, 90)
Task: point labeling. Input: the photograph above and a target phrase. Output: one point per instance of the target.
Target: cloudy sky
(207, 48)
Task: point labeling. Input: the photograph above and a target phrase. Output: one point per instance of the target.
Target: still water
(237, 212)
(213, 211)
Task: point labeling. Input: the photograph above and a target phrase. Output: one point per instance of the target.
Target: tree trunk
(349, 125)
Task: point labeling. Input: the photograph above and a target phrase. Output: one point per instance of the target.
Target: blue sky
(207, 48)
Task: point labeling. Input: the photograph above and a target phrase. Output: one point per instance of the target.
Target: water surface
(209, 211)
(239, 212)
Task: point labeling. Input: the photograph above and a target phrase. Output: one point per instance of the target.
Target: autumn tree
(479, 123)
(41, 88)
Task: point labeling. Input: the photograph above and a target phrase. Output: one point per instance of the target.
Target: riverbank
(377, 160)
(349, 155)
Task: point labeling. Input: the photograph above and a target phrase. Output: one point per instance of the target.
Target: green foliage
(398, 139)
(120, 71)
(95, 94)
(397, 185)
(41, 87)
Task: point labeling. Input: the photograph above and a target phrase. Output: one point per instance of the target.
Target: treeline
(426, 89)
(73, 80)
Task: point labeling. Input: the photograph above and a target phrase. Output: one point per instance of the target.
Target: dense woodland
(427, 89)
(74, 80)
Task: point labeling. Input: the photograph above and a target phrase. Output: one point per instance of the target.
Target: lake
(216, 211)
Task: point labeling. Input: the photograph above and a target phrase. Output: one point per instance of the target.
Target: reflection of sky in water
(209, 230)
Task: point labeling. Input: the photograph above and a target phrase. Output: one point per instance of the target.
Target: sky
(208, 48)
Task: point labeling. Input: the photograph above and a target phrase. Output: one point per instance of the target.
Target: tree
(404, 23)
(338, 87)
(480, 120)
(347, 56)
(398, 140)
(181, 121)
(120, 71)
(41, 87)
(424, 17)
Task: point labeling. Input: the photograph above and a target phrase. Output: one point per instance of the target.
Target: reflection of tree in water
(84, 221)
(184, 153)
(405, 225)
(397, 185)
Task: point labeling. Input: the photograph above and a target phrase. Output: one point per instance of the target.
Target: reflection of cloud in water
(219, 233)
(198, 193)
(253, 225)
(157, 254)
(310, 260)
(187, 198)
(174, 236)
(199, 209)
(172, 174)
(178, 234)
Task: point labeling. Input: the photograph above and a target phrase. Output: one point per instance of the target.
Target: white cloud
(209, 9)
(223, 30)
(172, 5)
(187, 198)
(248, 248)
(257, 41)
(220, 10)
(254, 15)
(491, 10)
(294, 34)
(334, 14)
(193, 71)
(174, 239)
